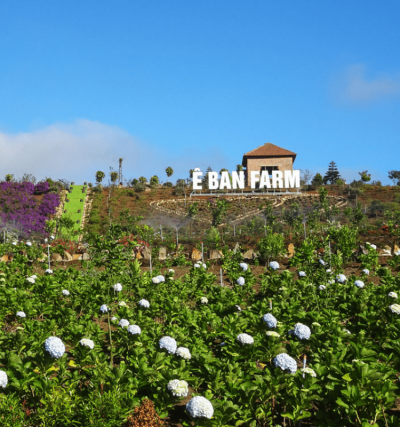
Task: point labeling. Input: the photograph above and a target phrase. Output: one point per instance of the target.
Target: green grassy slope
(73, 206)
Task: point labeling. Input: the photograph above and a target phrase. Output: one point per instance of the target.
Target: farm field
(309, 334)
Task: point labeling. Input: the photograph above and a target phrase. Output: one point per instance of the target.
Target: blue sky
(191, 84)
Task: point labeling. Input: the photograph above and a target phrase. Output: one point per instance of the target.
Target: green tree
(169, 171)
(100, 176)
(154, 181)
(332, 175)
(239, 168)
(218, 211)
(113, 177)
(365, 176)
(317, 181)
(395, 177)
(142, 180)
(9, 177)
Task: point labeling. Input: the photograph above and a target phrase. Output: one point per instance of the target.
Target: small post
(304, 364)
(177, 239)
(48, 255)
(270, 304)
(185, 199)
(202, 253)
(265, 223)
(329, 251)
(150, 264)
(161, 232)
(220, 272)
(305, 236)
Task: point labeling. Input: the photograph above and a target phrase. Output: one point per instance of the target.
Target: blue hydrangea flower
(245, 339)
(123, 323)
(240, 281)
(366, 271)
(302, 274)
(284, 361)
(161, 278)
(134, 330)
(243, 266)
(200, 407)
(117, 287)
(321, 261)
(55, 347)
(341, 278)
(168, 343)
(270, 320)
(104, 308)
(274, 265)
(144, 303)
(301, 331)
(359, 283)
(3, 379)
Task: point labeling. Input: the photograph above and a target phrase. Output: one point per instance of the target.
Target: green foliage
(365, 176)
(193, 210)
(332, 175)
(218, 211)
(344, 239)
(169, 171)
(100, 176)
(113, 176)
(271, 246)
(355, 215)
(154, 181)
(317, 181)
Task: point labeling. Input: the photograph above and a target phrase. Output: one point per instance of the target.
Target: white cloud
(355, 88)
(75, 151)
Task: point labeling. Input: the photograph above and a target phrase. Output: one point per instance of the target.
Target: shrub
(168, 184)
(272, 245)
(139, 187)
(154, 181)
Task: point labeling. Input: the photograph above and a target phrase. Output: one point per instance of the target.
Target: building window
(269, 169)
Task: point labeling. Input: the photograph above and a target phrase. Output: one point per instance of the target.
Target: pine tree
(332, 175)
(205, 178)
(317, 181)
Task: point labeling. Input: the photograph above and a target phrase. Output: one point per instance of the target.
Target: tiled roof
(269, 149)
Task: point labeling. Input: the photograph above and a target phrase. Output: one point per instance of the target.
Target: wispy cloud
(76, 150)
(354, 87)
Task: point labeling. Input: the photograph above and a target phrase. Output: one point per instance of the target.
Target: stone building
(268, 157)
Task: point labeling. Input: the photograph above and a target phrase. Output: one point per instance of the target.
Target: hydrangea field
(85, 346)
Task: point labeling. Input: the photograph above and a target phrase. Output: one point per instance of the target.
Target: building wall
(255, 163)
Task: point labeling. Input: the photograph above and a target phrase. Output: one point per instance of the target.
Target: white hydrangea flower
(114, 319)
(20, 314)
(321, 261)
(171, 271)
(240, 281)
(274, 265)
(28, 244)
(331, 282)
(134, 330)
(155, 280)
(245, 339)
(168, 343)
(392, 295)
(65, 292)
(49, 271)
(52, 237)
(15, 243)
(104, 308)
(366, 271)
(272, 334)
(117, 287)
(122, 304)
(301, 331)
(34, 276)
(200, 407)
(372, 246)
(55, 347)
(270, 320)
(144, 303)
(196, 265)
(3, 379)
(321, 287)
(346, 330)
(359, 283)
(204, 300)
(123, 323)
(395, 308)
(30, 280)
(183, 352)
(243, 266)
(302, 274)
(328, 271)
(178, 388)
(238, 308)
(341, 278)
(161, 278)
(284, 361)
(309, 371)
(85, 342)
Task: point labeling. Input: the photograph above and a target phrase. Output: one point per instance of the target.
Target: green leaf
(340, 402)
(347, 377)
